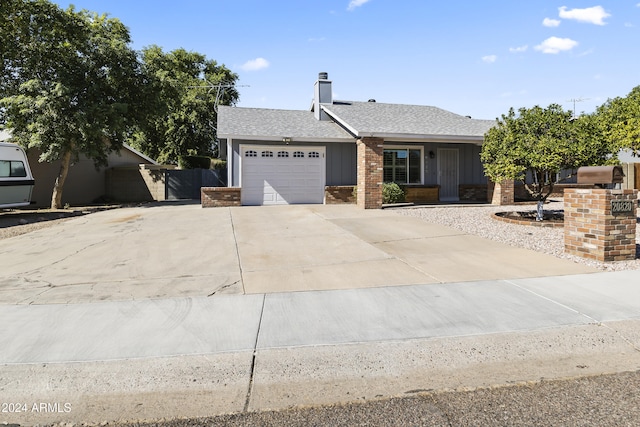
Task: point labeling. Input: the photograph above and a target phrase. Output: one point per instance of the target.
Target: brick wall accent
(473, 192)
(217, 197)
(592, 231)
(339, 194)
(370, 168)
(501, 193)
(422, 194)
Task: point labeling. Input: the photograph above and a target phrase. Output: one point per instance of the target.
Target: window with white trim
(298, 154)
(251, 153)
(267, 154)
(402, 165)
(314, 154)
(283, 154)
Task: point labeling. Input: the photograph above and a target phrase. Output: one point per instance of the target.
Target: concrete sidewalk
(200, 356)
(110, 323)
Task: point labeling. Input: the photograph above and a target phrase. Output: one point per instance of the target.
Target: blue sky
(474, 58)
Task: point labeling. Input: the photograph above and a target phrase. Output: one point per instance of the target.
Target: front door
(448, 174)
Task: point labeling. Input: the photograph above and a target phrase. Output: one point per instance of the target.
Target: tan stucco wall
(84, 184)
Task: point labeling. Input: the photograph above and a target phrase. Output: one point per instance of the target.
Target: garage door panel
(292, 175)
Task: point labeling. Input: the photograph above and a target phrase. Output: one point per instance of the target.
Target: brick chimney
(322, 95)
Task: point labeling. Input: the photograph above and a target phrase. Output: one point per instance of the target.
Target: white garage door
(282, 175)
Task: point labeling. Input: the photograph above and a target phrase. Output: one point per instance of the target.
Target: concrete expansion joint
(247, 401)
(622, 337)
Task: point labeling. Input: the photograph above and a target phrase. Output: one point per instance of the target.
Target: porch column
(503, 192)
(370, 167)
(229, 159)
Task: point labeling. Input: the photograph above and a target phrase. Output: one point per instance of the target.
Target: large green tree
(69, 83)
(188, 87)
(537, 145)
(619, 119)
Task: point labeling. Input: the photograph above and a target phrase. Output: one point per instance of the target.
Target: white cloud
(586, 52)
(489, 59)
(255, 64)
(518, 49)
(548, 22)
(556, 45)
(591, 15)
(356, 3)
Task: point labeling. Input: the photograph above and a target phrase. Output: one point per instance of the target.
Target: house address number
(621, 206)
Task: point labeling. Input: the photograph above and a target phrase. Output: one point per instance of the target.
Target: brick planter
(339, 194)
(217, 197)
(545, 224)
(600, 224)
(422, 194)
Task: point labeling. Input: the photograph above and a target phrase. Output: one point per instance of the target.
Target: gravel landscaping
(478, 220)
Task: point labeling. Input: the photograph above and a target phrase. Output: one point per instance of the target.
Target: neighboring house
(85, 184)
(318, 156)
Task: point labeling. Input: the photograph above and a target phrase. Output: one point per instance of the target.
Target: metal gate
(186, 183)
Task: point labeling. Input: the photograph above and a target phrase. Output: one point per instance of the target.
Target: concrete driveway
(160, 251)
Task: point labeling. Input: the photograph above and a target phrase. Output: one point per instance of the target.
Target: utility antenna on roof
(219, 88)
(574, 100)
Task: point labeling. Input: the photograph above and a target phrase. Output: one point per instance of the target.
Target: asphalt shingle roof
(260, 122)
(361, 118)
(398, 119)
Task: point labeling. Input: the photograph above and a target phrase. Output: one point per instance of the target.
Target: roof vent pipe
(372, 100)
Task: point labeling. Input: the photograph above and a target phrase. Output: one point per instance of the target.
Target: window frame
(13, 166)
(407, 148)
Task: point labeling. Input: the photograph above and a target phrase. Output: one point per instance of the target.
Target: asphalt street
(604, 401)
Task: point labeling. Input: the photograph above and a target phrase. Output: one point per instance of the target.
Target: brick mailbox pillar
(600, 224)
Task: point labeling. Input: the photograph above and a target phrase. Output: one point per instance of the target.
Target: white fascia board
(452, 139)
(341, 122)
(294, 138)
(139, 154)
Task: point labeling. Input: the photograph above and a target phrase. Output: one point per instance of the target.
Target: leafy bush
(392, 193)
(194, 162)
(218, 164)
